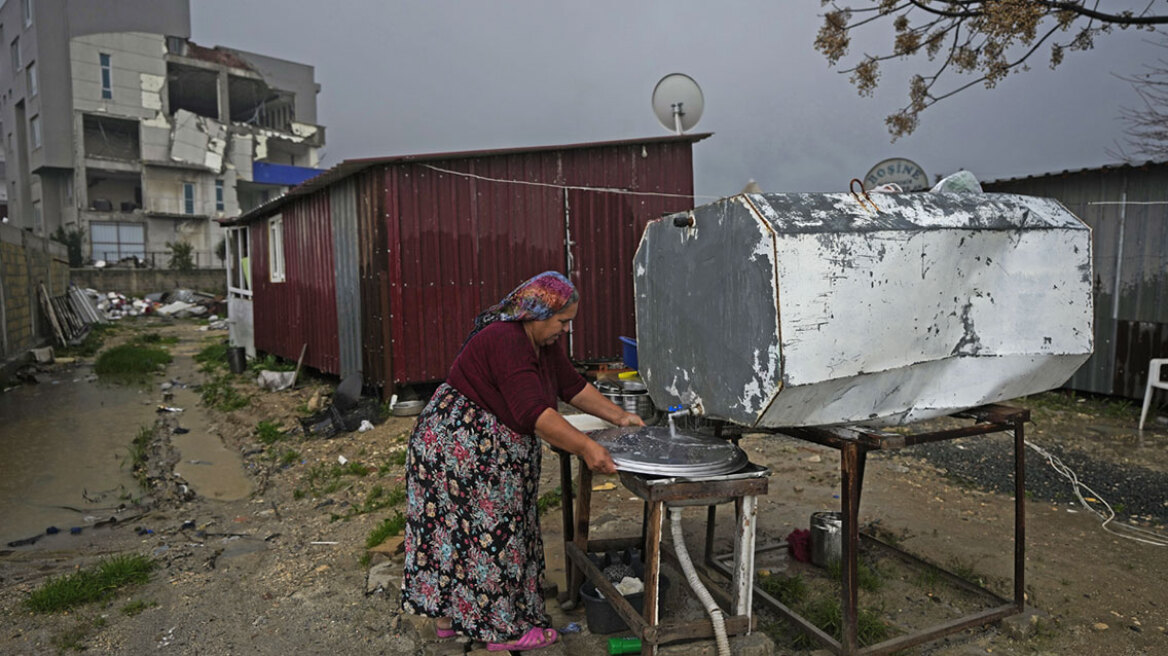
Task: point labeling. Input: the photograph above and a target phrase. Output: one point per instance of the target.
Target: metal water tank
(813, 309)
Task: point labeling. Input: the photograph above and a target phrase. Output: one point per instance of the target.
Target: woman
(474, 556)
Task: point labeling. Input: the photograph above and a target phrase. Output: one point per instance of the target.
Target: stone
(1099, 626)
(380, 577)
(1025, 624)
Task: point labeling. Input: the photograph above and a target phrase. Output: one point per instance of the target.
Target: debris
(1100, 626)
(276, 380)
(366, 425)
(166, 408)
(604, 486)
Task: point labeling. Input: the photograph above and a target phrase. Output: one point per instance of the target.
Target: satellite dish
(677, 102)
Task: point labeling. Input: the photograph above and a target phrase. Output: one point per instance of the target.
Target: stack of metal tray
(659, 451)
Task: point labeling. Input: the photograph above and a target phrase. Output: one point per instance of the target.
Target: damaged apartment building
(116, 123)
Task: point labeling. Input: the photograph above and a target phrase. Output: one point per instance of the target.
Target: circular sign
(897, 170)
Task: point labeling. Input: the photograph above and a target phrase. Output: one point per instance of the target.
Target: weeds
(549, 500)
(826, 613)
(869, 578)
(90, 585)
(92, 343)
(212, 357)
(131, 363)
(135, 607)
(390, 526)
(269, 363)
(220, 394)
(139, 454)
(966, 570)
(789, 590)
(268, 432)
(289, 457)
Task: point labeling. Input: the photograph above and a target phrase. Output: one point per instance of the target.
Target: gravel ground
(1134, 492)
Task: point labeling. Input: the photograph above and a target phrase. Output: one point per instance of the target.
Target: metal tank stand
(854, 445)
(742, 488)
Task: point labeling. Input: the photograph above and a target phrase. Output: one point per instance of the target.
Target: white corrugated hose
(695, 584)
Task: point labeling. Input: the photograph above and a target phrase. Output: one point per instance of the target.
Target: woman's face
(547, 331)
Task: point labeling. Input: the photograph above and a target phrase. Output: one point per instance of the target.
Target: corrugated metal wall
(1127, 209)
(343, 211)
(389, 261)
(302, 310)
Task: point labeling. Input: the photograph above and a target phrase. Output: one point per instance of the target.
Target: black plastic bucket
(237, 359)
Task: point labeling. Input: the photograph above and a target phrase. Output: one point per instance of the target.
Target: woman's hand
(598, 459)
(629, 419)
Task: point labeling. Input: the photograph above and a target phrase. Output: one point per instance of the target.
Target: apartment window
(26, 11)
(276, 248)
(114, 241)
(34, 127)
(31, 71)
(188, 198)
(107, 83)
(16, 63)
(218, 195)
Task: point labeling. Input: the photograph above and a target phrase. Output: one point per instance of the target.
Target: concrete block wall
(139, 282)
(26, 262)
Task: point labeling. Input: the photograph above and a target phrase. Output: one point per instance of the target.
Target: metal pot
(638, 403)
(826, 537)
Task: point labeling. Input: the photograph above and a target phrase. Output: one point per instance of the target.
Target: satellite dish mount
(678, 102)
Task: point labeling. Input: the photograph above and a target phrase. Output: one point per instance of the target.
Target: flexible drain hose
(695, 584)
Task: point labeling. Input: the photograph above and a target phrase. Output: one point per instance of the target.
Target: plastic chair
(1154, 382)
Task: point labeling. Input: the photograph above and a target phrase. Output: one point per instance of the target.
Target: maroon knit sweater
(500, 371)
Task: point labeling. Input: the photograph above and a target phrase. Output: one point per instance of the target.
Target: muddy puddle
(65, 451)
(65, 448)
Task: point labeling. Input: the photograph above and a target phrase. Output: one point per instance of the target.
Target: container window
(107, 82)
(276, 248)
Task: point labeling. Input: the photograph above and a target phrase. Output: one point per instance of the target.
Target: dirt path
(285, 570)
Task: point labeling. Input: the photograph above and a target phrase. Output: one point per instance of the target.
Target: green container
(624, 646)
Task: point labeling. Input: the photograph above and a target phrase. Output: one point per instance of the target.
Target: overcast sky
(441, 75)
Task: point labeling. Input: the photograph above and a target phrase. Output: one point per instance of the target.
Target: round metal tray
(659, 451)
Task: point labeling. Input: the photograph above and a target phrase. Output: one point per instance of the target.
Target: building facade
(115, 123)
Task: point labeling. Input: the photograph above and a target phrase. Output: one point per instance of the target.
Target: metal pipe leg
(850, 474)
(1019, 515)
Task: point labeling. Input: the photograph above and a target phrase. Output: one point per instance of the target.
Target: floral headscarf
(535, 299)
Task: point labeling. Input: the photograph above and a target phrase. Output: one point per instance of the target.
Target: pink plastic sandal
(441, 632)
(536, 638)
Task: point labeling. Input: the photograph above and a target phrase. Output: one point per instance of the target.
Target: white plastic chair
(1154, 382)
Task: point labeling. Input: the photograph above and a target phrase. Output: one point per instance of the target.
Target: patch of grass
(323, 479)
(354, 468)
(929, 578)
(135, 607)
(398, 458)
(139, 453)
(268, 432)
(89, 585)
(131, 363)
(549, 500)
(298, 494)
(789, 590)
(826, 613)
(869, 578)
(155, 338)
(376, 499)
(966, 570)
(388, 527)
(212, 357)
(73, 638)
(289, 457)
(271, 363)
(220, 394)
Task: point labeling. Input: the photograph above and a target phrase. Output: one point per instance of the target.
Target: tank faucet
(683, 410)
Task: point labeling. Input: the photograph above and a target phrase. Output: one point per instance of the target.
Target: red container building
(379, 266)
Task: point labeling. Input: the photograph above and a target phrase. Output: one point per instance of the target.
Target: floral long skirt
(473, 546)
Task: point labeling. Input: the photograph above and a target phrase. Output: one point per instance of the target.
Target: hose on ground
(695, 584)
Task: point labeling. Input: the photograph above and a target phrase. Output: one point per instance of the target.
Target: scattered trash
(275, 380)
(166, 408)
(179, 430)
(324, 542)
(572, 627)
(52, 530)
(342, 459)
(604, 486)
(366, 425)
(76, 530)
(143, 531)
(190, 523)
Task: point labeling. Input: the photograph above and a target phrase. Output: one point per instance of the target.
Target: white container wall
(793, 309)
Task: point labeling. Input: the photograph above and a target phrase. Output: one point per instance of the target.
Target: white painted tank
(814, 309)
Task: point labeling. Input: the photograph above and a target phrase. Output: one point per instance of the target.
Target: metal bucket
(826, 537)
(237, 359)
(637, 403)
